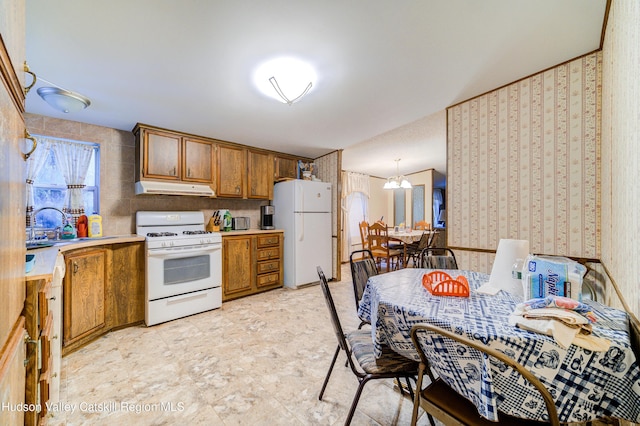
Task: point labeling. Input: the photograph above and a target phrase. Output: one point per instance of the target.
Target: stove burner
(195, 232)
(161, 234)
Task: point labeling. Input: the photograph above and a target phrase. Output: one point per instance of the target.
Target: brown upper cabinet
(171, 156)
(260, 175)
(232, 170)
(285, 167)
(198, 159)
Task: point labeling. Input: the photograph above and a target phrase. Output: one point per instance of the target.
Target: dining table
(408, 237)
(585, 384)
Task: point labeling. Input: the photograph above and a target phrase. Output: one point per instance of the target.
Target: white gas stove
(183, 264)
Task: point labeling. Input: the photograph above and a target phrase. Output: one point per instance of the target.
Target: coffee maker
(266, 217)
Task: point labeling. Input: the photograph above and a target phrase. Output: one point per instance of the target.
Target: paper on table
(487, 288)
(506, 255)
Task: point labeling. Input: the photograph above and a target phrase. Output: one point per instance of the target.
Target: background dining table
(585, 384)
(408, 237)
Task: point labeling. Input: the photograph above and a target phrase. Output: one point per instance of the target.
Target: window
(417, 203)
(399, 200)
(50, 189)
(357, 208)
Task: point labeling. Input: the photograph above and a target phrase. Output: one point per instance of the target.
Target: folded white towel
(562, 333)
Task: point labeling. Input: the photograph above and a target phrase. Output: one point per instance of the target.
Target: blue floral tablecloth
(585, 384)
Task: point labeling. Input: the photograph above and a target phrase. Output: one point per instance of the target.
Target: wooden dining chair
(358, 346)
(422, 225)
(442, 402)
(364, 234)
(379, 246)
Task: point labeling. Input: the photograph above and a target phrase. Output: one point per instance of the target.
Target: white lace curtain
(73, 159)
(354, 182)
(34, 165)
(354, 186)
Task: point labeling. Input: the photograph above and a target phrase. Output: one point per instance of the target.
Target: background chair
(361, 270)
(414, 249)
(422, 225)
(379, 246)
(364, 234)
(438, 258)
(366, 366)
(441, 401)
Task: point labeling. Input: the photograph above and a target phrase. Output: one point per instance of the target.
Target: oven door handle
(171, 252)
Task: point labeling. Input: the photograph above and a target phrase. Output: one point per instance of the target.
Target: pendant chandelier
(398, 181)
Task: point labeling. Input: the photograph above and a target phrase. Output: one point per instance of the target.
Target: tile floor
(259, 360)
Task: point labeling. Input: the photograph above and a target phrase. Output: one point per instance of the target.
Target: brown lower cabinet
(251, 263)
(103, 290)
(84, 294)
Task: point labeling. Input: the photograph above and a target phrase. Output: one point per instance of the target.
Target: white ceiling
(386, 69)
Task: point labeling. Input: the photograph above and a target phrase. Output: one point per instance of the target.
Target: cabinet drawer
(268, 253)
(268, 279)
(268, 240)
(268, 266)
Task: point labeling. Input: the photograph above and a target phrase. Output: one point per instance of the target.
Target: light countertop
(46, 257)
(250, 232)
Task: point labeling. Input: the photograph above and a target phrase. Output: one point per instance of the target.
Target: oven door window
(187, 269)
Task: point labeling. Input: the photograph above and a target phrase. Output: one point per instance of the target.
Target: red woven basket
(440, 283)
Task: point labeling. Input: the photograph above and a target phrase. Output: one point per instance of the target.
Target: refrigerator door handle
(300, 230)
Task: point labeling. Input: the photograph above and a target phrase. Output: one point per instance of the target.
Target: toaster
(240, 223)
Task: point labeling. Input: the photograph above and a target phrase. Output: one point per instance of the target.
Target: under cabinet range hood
(173, 188)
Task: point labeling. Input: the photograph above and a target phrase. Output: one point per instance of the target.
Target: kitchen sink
(38, 244)
(60, 242)
(77, 240)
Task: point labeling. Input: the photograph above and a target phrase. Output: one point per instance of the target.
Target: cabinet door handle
(52, 298)
(75, 267)
(34, 145)
(189, 172)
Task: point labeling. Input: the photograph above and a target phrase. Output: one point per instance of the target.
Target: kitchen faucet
(33, 220)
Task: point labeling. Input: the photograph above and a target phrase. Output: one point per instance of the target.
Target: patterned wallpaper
(621, 149)
(329, 170)
(523, 163)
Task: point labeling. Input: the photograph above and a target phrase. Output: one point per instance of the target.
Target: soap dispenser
(68, 231)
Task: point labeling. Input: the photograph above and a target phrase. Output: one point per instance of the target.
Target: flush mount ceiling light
(398, 181)
(285, 79)
(61, 99)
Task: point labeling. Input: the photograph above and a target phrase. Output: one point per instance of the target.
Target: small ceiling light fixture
(61, 99)
(398, 181)
(285, 79)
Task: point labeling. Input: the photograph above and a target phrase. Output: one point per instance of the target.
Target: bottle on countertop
(226, 221)
(68, 231)
(95, 225)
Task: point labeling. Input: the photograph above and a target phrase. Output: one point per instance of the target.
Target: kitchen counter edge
(250, 232)
(46, 257)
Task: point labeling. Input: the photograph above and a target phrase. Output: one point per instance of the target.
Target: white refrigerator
(303, 210)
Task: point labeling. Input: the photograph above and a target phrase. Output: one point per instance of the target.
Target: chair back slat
(335, 321)
(438, 258)
(361, 270)
(364, 234)
(420, 333)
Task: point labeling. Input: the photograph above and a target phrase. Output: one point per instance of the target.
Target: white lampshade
(391, 184)
(63, 100)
